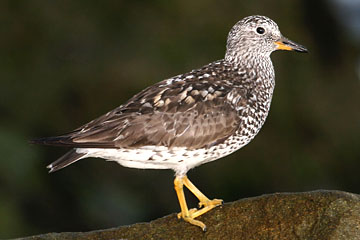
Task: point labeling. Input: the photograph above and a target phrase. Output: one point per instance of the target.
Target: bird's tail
(67, 159)
(60, 141)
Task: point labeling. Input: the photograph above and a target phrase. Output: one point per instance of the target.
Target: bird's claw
(211, 203)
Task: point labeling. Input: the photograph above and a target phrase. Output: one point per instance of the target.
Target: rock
(330, 215)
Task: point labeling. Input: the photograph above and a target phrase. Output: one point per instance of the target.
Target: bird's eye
(260, 30)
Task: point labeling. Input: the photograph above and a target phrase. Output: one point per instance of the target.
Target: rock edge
(318, 215)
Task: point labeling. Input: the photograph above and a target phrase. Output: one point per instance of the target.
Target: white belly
(156, 157)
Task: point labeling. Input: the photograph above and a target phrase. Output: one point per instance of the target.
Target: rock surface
(330, 215)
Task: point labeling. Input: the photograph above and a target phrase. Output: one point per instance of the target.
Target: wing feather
(192, 114)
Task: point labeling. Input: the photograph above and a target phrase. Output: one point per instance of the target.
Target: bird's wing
(192, 114)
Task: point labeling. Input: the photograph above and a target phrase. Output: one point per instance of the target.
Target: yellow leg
(203, 200)
(185, 213)
(190, 215)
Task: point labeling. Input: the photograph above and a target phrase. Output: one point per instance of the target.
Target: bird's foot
(205, 204)
(210, 203)
(194, 213)
(190, 218)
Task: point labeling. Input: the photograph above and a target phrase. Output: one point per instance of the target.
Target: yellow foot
(211, 203)
(191, 218)
(194, 213)
(205, 204)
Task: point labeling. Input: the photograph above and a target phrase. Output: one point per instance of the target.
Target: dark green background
(63, 63)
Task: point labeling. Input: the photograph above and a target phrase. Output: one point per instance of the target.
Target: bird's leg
(190, 215)
(185, 214)
(203, 200)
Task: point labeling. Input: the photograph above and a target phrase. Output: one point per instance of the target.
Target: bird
(190, 119)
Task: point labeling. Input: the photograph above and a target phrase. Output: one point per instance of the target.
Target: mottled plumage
(192, 118)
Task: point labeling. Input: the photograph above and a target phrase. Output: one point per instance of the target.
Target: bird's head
(257, 35)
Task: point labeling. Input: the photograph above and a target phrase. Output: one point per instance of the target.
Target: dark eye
(260, 30)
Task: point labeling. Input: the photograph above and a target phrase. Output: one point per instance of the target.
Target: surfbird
(190, 119)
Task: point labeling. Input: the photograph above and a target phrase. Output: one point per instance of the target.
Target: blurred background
(64, 63)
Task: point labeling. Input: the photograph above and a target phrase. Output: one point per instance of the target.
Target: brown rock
(330, 215)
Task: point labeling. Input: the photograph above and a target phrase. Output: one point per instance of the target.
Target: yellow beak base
(282, 46)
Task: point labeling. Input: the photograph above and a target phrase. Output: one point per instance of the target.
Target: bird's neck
(241, 56)
(254, 61)
(260, 75)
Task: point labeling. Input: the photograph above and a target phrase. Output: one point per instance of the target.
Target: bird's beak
(286, 44)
